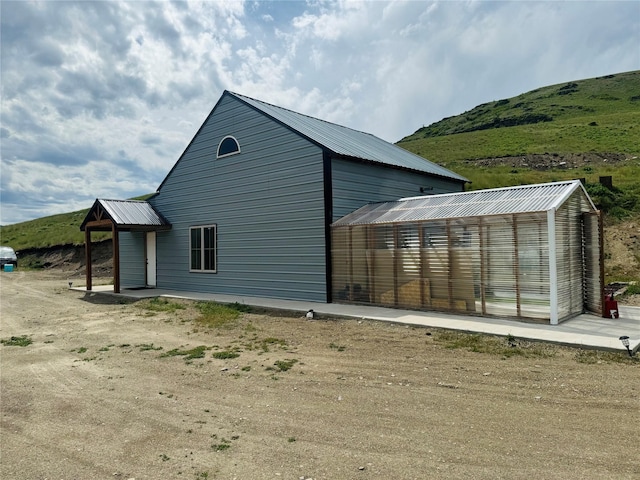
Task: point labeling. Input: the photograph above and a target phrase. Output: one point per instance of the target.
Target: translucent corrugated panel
(569, 257)
(492, 266)
(593, 261)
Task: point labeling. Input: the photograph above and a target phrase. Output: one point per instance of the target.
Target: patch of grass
(225, 354)
(197, 352)
(82, 350)
(340, 348)
(164, 458)
(632, 289)
(504, 347)
(266, 342)
(224, 443)
(216, 315)
(147, 346)
(240, 307)
(22, 341)
(598, 357)
(158, 304)
(246, 369)
(284, 365)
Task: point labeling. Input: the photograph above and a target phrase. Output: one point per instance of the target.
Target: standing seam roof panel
(132, 212)
(348, 142)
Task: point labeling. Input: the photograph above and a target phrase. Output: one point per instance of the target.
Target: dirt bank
(106, 391)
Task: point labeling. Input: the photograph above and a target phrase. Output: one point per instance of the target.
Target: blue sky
(99, 99)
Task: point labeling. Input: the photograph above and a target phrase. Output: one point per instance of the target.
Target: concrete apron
(586, 330)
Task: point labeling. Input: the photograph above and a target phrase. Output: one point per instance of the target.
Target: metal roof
(347, 142)
(126, 214)
(498, 201)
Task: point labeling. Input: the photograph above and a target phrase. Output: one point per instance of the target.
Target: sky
(100, 99)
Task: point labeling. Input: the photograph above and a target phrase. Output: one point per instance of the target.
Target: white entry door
(151, 259)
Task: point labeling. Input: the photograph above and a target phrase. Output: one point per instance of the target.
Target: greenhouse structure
(532, 252)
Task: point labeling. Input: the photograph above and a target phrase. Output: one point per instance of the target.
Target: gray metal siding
(132, 259)
(355, 184)
(267, 203)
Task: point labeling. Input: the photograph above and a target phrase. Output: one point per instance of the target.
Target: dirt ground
(95, 396)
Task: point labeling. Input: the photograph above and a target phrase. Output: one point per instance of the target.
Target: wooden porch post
(87, 253)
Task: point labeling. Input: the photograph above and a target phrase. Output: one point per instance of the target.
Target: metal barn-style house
(528, 252)
(247, 208)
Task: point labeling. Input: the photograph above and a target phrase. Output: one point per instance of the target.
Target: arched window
(228, 146)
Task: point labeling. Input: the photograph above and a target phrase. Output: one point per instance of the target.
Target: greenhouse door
(593, 261)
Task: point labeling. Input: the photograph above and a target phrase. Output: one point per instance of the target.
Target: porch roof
(125, 215)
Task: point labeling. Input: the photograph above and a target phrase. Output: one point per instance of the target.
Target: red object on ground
(611, 309)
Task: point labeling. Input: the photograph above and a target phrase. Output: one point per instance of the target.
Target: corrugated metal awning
(124, 215)
(498, 201)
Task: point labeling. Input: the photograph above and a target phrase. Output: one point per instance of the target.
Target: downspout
(553, 267)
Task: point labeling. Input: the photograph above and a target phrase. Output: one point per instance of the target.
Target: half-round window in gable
(228, 146)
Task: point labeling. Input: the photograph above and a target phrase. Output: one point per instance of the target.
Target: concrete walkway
(588, 331)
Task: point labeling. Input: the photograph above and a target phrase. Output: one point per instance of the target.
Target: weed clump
(225, 354)
(22, 341)
(284, 365)
(197, 352)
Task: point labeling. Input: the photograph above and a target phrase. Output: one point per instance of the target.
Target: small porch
(117, 216)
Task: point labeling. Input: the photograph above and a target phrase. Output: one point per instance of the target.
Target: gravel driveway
(119, 391)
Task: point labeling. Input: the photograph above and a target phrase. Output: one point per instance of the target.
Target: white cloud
(101, 98)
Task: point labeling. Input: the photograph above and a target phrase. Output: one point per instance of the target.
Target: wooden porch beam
(96, 224)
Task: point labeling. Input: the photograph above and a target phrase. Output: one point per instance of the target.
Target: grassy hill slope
(595, 115)
(579, 129)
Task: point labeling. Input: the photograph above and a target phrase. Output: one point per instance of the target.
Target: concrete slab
(586, 331)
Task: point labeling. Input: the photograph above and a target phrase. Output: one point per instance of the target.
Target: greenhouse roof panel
(477, 203)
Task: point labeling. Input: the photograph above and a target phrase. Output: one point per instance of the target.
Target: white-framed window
(228, 146)
(203, 249)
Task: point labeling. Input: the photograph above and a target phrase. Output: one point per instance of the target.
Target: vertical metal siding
(267, 203)
(132, 259)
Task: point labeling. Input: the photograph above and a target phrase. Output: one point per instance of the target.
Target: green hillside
(63, 229)
(595, 115)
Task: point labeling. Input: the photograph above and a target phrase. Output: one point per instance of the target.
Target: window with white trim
(228, 146)
(203, 249)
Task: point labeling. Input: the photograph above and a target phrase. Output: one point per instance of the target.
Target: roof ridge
(303, 114)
